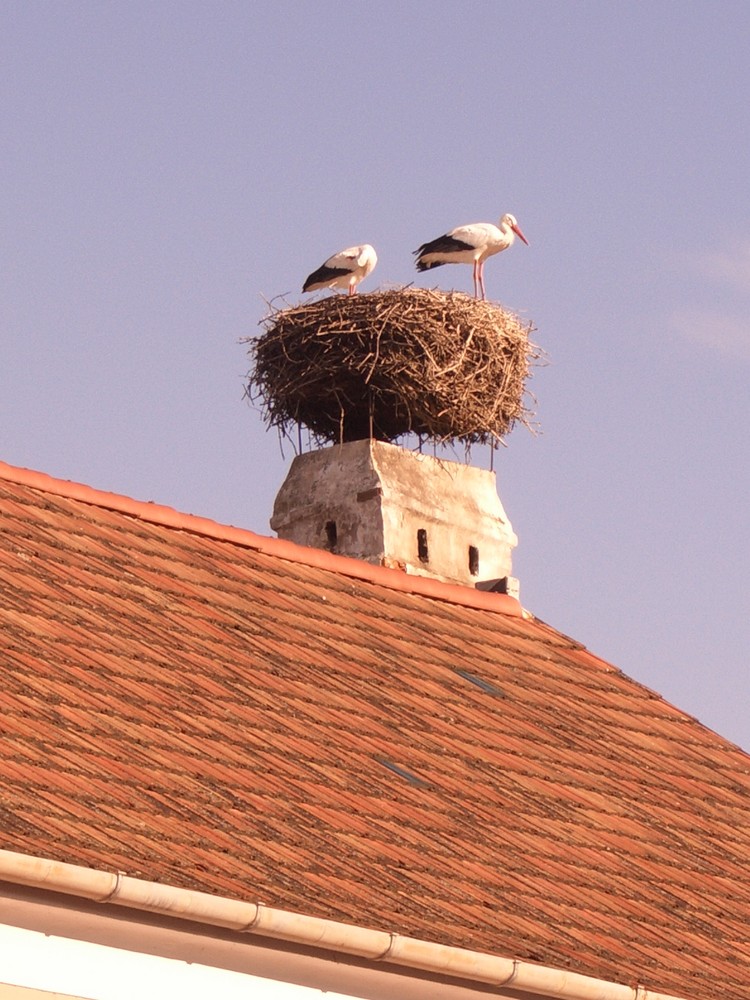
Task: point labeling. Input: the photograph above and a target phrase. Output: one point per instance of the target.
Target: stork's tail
(422, 264)
(425, 265)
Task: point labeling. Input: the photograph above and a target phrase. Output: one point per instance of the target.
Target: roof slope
(206, 708)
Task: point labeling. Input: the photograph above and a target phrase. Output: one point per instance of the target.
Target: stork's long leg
(476, 279)
(481, 279)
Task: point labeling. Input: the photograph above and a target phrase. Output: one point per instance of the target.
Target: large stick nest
(440, 365)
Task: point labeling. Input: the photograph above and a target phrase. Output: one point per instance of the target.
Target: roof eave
(316, 932)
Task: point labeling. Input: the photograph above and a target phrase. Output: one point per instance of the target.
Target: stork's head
(367, 257)
(509, 221)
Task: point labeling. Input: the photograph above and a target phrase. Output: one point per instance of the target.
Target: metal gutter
(313, 932)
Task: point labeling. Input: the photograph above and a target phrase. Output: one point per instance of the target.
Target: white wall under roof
(98, 972)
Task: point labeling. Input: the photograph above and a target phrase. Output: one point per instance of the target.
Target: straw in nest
(440, 365)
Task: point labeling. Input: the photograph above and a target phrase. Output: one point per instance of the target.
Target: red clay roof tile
(198, 705)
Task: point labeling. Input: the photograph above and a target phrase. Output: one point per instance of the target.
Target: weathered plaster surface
(380, 496)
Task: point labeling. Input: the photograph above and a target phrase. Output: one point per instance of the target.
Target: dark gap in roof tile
(403, 773)
(482, 684)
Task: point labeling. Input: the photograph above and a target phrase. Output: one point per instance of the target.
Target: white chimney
(392, 507)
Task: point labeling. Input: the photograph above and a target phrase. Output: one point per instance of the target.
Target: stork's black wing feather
(443, 244)
(324, 274)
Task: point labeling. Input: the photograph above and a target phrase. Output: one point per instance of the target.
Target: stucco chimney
(386, 505)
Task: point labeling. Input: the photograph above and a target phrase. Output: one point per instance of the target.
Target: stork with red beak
(343, 270)
(470, 245)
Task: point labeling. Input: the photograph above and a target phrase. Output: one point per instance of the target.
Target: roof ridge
(394, 579)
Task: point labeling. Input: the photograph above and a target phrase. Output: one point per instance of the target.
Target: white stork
(470, 245)
(344, 270)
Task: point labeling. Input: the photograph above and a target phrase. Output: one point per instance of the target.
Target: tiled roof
(201, 706)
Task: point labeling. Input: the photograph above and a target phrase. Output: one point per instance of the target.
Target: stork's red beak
(519, 234)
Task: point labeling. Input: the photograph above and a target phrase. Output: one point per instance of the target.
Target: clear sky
(167, 167)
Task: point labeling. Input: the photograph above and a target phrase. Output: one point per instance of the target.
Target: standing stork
(470, 245)
(344, 270)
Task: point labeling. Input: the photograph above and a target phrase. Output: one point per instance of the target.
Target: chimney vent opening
(331, 536)
(422, 551)
(473, 560)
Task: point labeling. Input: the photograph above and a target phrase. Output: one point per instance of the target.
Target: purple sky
(169, 166)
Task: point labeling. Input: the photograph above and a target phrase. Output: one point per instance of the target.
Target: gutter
(313, 932)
